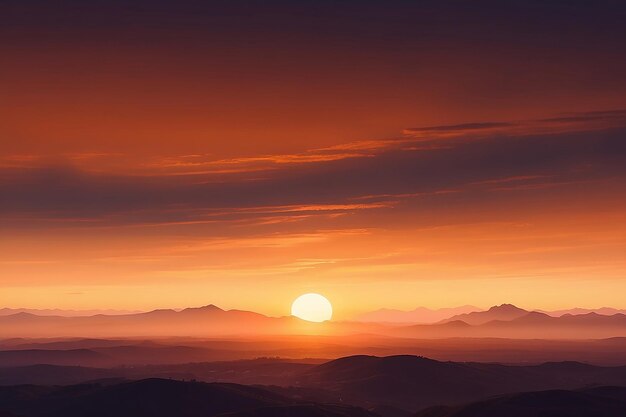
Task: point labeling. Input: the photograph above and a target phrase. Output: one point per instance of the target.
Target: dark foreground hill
(262, 371)
(392, 386)
(160, 398)
(594, 402)
(412, 382)
(357, 388)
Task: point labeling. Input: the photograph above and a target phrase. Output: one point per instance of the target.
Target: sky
(385, 154)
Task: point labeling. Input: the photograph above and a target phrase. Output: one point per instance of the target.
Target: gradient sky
(385, 154)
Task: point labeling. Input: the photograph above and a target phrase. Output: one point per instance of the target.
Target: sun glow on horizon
(312, 307)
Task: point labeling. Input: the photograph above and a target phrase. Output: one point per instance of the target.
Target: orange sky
(242, 155)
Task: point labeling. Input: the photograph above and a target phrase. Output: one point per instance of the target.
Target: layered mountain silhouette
(333, 375)
(169, 355)
(504, 321)
(509, 321)
(395, 386)
(423, 315)
(504, 312)
(160, 398)
(412, 382)
(206, 321)
(263, 371)
(605, 311)
(596, 402)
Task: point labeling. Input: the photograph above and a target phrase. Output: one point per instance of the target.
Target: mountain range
(504, 312)
(509, 321)
(605, 311)
(423, 315)
(208, 320)
(503, 321)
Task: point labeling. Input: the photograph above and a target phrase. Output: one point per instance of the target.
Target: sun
(312, 307)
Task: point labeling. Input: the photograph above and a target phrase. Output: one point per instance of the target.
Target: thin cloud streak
(392, 173)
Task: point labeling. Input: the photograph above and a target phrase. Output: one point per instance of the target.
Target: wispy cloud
(443, 162)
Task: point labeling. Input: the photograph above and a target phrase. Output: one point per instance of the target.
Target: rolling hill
(596, 402)
(413, 382)
(160, 398)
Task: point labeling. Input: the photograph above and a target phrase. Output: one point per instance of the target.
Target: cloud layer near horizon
(522, 204)
(445, 161)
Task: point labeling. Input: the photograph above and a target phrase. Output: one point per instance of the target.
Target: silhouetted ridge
(506, 308)
(595, 402)
(207, 320)
(161, 398)
(211, 308)
(151, 397)
(567, 365)
(504, 312)
(413, 382)
(157, 312)
(534, 316)
(364, 365)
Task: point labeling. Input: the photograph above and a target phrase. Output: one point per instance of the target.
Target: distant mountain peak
(207, 310)
(506, 308)
(208, 307)
(502, 312)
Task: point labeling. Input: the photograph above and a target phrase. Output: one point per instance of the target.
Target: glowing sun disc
(312, 307)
